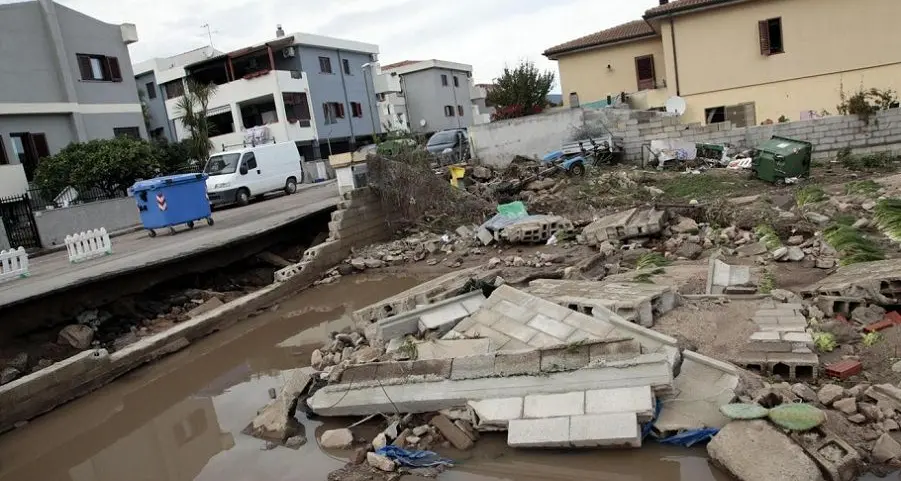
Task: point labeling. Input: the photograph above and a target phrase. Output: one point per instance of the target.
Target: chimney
(664, 2)
(281, 33)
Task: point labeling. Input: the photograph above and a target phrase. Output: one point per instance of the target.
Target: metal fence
(18, 219)
(69, 196)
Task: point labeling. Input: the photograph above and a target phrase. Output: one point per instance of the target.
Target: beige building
(740, 60)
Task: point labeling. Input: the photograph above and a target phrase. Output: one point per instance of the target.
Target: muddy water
(181, 419)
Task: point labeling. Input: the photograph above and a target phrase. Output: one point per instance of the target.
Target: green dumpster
(781, 158)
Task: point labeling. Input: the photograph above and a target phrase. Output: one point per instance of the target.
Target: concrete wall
(426, 98)
(498, 142)
(586, 73)
(54, 225)
(100, 126)
(57, 127)
(26, 44)
(157, 106)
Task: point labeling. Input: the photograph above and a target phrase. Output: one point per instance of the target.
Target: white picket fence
(88, 245)
(13, 264)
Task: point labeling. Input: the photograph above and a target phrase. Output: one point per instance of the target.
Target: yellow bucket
(456, 174)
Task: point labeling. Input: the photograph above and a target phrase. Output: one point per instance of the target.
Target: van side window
(250, 161)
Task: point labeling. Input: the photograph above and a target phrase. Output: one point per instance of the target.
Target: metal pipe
(672, 32)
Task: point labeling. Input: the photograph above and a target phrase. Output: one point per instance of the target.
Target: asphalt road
(52, 272)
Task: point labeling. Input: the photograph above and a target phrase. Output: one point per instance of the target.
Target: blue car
(571, 164)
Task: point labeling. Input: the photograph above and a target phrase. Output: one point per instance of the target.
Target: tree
(193, 109)
(111, 165)
(174, 157)
(520, 91)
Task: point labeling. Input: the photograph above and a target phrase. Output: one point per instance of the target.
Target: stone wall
(639, 128)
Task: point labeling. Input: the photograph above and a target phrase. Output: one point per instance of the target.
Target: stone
(817, 218)
(422, 430)
(76, 335)
(316, 358)
(825, 263)
(857, 418)
(752, 249)
(373, 263)
(804, 392)
(870, 411)
(896, 367)
(336, 439)
(295, 442)
(886, 449)
(861, 223)
(780, 253)
(359, 456)
(795, 254)
(358, 263)
(19, 362)
(690, 250)
(795, 240)
(868, 205)
(382, 463)
(367, 354)
(890, 425)
(207, 306)
(9, 374)
(847, 405)
(456, 436)
(685, 225)
(775, 456)
(494, 262)
(830, 393)
(380, 441)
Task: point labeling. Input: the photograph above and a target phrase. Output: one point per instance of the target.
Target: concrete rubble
(781, 346)
(635, 302)
(725, 279)
(624, 225)
(776, 457)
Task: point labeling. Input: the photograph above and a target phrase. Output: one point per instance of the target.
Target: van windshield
(446, 137)
(222, 164)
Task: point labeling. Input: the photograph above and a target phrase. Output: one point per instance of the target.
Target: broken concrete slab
(456, 436)
(554, 405)
(535, 229)
(534, 433)
(448, 349)
(638, 400)
(838, 460)
(721, 276)
(591, 430)
(274, 421)
(207, 306)
(495, 414)
(878, 282)
(635, 302)
(703, 385)
(440, 316)
(776, 457)
(788, 365)
(636, 222)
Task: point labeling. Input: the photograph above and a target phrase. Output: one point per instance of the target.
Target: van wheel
(242, 197)
(291, 186)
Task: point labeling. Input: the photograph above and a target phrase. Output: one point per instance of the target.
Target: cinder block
(565, 359)
(606, 430)
(535, 433)
(497, 412)
(638, 400)
(553, 405)
(473, 367)
(613, 351)
(517, 363)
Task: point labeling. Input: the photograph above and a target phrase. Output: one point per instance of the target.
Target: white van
(238, 175)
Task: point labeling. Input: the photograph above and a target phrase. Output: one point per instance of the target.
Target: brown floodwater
(181, 419)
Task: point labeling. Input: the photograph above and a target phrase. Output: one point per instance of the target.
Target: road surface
(53, 272)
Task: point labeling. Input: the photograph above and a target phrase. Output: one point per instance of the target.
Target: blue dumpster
(172, 200)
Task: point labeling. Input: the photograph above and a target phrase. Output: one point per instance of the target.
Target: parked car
(449, 145)
(236, 176)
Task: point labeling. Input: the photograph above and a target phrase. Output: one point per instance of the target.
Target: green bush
(851, 245)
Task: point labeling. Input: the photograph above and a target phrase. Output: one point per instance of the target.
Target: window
(771, 36)
(380, 97)
(99, 68)
(459, 109)
(258, 111)
(132, 132)
(220, 121)
(332, 112)
(158, 133)
(29, 148)
(644, 71)
(443, 80)
(456, 81)
(715, 115)
(250, 161)
(173, 89)
(151, 90)
(356, 109)
(325, 65)
(4, 160)
(346, 65)
(448, 110)
(297, 108)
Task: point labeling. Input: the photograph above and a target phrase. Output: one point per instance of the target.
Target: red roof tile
(682, 5)
(627, 31)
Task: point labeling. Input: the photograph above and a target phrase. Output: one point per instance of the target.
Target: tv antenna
(209, 32)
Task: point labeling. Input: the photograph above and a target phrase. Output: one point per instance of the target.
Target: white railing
(13, 264)
(88, 245)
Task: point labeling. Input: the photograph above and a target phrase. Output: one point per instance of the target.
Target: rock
(896, 367)
(861, 223)
(872, 413)
(421, 430)
(795, 240)
(775, 456)
(207, 306)
(336, 439)
(868, 205)
(890, 425)
(752, 249)
(19, 362)
(367, 354)
(358, 263)
(783, 295)
(481, 172)
(316, 359)
(886, 449)
(847, 405)
(359, 456)
(380, 441)
(825, 263)
(795, 254)
(9, 374)
(858, 391)
(817, 218)
(373, 263)
(780, 253)
(345, 269)
(685, 225)
(830, 393)
(494, 262)
(653, 190)
(868, 314)
(690, 250)
(519, 262)
(413, 440)
(295, 442)
(607, 248)
(857, 418)
(804, 392)
(78, 336)
(382, 463)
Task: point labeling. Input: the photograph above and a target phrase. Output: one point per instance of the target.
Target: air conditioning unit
(288, 52)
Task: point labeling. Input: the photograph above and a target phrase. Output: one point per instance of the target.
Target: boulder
(78, 336)
(830, 393)
(336, 439)
(756, 450)
(886, 449)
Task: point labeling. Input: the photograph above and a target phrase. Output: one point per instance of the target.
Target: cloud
(487, 34)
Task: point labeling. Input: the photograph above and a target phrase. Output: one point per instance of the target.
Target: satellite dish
(675, 105)
(422, 122)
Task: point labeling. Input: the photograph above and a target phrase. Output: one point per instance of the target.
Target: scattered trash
(413, 458)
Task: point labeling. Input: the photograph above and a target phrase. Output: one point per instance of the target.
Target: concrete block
(448, 349)
(534, 433)
(496, 413)
(443, 318)
(613, 351)
(473, 367)
(638, 400)
(565, 359)
(553, 405)
(517, 363)
(456, 436)
(605, 430)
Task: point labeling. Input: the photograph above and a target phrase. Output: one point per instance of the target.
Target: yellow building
(746, 61)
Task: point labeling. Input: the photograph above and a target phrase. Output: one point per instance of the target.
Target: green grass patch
(862, 187)
(878, 161)
(809, 195)
(706, 185)
(852, 246)
(887, 215)
(870, 339)
(824, 341)
(652, 259)
(767, 235)
(767, 282)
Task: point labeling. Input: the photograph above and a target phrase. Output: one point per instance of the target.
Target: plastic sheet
(414, 458)
(691, 437)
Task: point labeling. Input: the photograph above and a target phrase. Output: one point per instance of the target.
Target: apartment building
(309, 89)
(424, 96)
(746, 61)
(64, 77)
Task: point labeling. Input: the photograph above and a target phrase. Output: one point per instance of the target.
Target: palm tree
(193, 108)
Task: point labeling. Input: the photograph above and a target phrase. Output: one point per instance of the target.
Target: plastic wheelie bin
(172, 200)
(781, 158)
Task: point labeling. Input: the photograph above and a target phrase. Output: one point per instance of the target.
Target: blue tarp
(414, 458)
(691, 437)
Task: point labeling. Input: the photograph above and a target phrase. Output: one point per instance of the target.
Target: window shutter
(84, 66)
(764, 29)
(41, 149)
(325, 112)
(644, 70)
(340, 110)
(114, 72)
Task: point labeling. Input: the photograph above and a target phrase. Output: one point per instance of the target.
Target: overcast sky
(484, 33)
